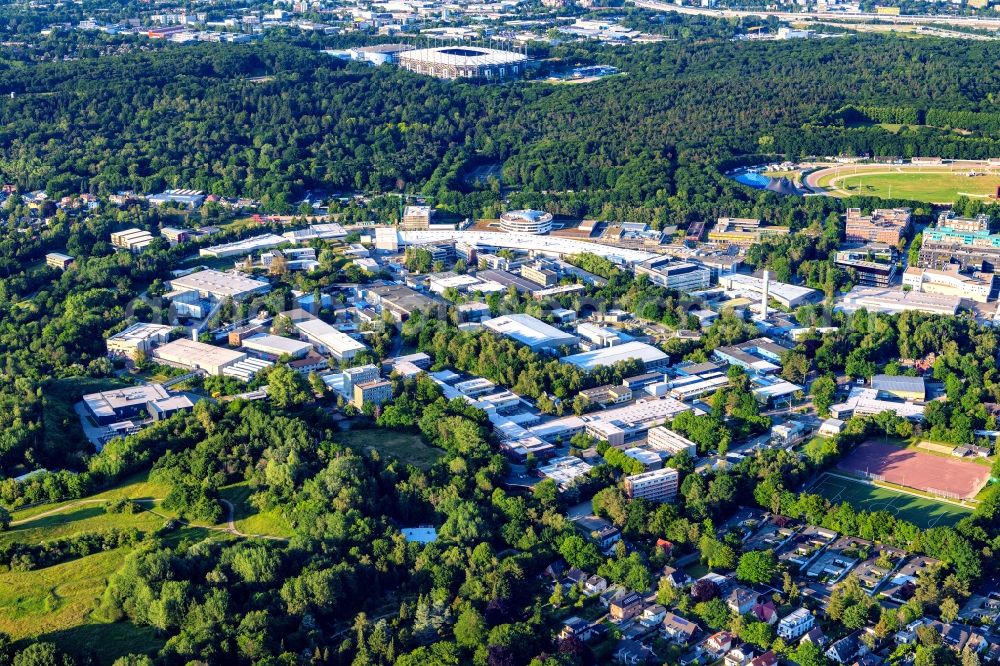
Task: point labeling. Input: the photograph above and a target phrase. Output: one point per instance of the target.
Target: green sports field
(920, 511)
(928, 186)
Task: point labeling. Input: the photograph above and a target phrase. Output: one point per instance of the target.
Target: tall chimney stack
(763, 302)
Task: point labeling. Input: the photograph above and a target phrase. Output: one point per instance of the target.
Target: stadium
(465, 62)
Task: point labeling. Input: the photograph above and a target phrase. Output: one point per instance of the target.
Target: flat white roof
(545, 244)
(529, 331)
(245, 246)
(611, 355)
(193, 354)
(276, 344)
(781, 291)
(328, 336)
(218, 284)
(105, 403)
(140, 331)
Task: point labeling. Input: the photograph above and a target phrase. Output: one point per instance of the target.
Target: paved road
(916, 19)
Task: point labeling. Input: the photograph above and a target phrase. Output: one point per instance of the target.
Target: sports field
(920, 511)
(913, 468)
(930, 184)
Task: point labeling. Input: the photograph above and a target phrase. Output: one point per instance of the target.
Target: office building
(328, 340)
(565, 471)
(416, 218)
(677, 275)
(598, 336)
(742, 231)
(760, 356)
(882, 226)
(375, 392)
(58, 260)
(138, 338)
(670, 443)
(133, 240)
(948, 220)
(401, 301)
(609, 394)
(531, 332)
(526, 222)
(874, 264)
(656, 486)
(978, 288)
(108, 407)
(540, 274)
(652, 358)
(194, 355)
(174, 235)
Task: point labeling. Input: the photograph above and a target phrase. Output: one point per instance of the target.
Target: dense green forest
(643, 146)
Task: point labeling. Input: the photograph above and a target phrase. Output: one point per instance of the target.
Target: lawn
(410, 448)
(922, 512)
(248, 519)
(929, 186)
(58, 602)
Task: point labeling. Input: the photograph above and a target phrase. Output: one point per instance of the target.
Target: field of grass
(928, 186)
(248, 519)
(59, 602)
(922, 512)
(407, 447)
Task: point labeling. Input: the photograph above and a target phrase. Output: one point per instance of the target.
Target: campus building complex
(884, 225)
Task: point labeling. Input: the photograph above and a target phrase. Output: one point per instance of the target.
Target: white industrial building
(788, 295)
(651, 357)
(866, 402)
(194, 355)
(893, 301)
(138, 338)
(245, 246)
(246, 369)
(216, 285)
(617, 426)
(531, 332)
(949, 283)
(328, 340)
(316, 232)
(276, 346)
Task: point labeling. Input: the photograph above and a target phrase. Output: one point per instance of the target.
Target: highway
(858, 17)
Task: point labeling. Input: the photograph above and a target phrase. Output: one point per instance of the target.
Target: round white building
(526, 222)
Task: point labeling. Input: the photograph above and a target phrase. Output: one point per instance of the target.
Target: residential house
(576, 627)
(624, 605)
(766, 659)
(814, 636)
(594, 585)
(652, 615)
(795, 624)
(847, 649)
(718, 643)
(632, 653)
(765, 612)
(676, 579)
(741, 600)
(678, 629)
(739, 656)
(576, 576)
